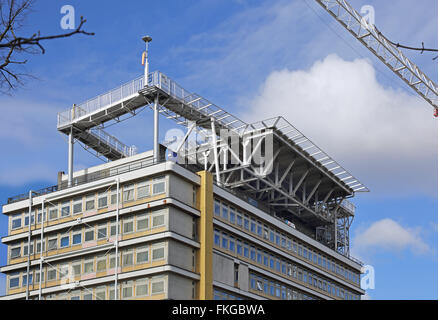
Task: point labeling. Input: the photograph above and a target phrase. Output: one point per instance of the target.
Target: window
(65, 209)
(89, 266)
(39, 216)
(232, 215)
(37, 276)
(128, 258)
(88, 296)
(65, 240)
(114, 196)
(127, 289)
(16, 221)
(239, 247)
(14, 280)
(102, 200)
(259, 229)
(141, 288)
(26, 218)
(52, 243)
(142, 222)
(246, 222)
(253, 226)
(217, 208)
(158, 219)
(77, 205)
(51, 274)
(53, 213)
(101, 293)
(142, 254)
(225, 211)
(224, 241)
(77, 267)
(143, 190)
(217, 238)
(112, 261)
(239, 219)
(63, 271)
(89, 234)
(77, 237)
(113, 229)
(101, 263)
(157, 286)
(232, 244)
(38, 246)
(128, 225)
(157, 252)
(159, 185)
(15, 251)
(90, 202)
(128, 193)
(102, 231)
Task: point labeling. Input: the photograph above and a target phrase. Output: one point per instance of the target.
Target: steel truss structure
(270, 162)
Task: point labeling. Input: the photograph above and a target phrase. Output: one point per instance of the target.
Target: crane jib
(382, 48)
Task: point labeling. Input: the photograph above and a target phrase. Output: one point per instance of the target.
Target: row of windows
(131, 289)
(284, 242)
(129, 224)
(91, 202)
(275, 289)
(222, 295)
(263, 258)
(85, 266)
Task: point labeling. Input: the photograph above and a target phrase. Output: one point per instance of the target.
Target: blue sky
(256, 59)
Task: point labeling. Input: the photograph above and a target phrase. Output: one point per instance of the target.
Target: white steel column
(41, 250)
(28, 244)
(116, 243)
(70, 157)
(146, 39)
(156, 131)
(216, 157)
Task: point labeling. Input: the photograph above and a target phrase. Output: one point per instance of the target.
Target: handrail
(95, 176)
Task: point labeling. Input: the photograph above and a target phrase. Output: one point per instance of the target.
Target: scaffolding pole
(28, 245)
(41, 249)
(116, 243)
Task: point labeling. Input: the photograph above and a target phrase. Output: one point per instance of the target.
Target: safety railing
(100, 102)
(312, 150)
(95, 176)
(113, 142)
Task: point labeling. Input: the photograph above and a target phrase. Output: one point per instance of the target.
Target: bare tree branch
(12, 15)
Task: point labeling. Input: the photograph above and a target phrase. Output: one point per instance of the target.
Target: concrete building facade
(179, 236)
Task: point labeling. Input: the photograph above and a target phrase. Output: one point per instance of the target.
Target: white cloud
(388, 235)
(385, 137)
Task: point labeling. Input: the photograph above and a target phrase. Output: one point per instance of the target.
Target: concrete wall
(181, 189)
(180, 255)
(243, 277)
(223, 269)
(180, 222)
(179, 288)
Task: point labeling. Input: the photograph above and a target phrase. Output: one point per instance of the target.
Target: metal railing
(87, 178)
(115, 95)
(113, 142)
(195, 101)
(312, 151)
